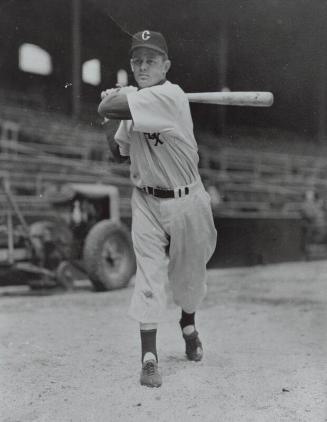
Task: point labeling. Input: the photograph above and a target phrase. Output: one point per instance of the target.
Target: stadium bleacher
(42, 150)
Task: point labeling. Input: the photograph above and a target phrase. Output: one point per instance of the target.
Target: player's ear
(132, 66)
(167, 65)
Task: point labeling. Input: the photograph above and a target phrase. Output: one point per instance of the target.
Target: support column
(322, 115)
(223, 65)
(76, 56)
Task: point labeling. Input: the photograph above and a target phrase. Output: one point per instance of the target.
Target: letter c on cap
(145, 35)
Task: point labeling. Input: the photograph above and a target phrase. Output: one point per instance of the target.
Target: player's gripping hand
(108, 92)
(122, 90)
(127, 89)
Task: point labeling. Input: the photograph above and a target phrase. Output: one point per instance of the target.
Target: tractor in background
(84, 233)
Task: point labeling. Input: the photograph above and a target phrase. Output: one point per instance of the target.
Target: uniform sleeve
(153, 109)
(122, 137)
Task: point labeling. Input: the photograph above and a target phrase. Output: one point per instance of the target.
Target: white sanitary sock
(189, 329)
(149, 356)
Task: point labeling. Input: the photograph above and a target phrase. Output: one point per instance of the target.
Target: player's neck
(159, 83)
(162, 81)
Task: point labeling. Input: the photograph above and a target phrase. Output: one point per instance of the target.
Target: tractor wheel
(65, 276)
(108, 256)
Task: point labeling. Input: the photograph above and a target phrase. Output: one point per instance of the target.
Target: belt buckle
(181, 192)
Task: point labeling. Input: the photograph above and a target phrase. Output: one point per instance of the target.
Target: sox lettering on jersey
(152, 136)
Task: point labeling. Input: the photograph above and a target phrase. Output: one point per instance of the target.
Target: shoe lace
(149, 368)
(193, 344)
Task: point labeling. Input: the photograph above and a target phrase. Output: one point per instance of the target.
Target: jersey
(159, 139)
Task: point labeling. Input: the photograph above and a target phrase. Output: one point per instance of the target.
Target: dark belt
(166, 193)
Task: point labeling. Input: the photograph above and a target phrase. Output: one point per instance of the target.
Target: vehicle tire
(65, 276)
(108, 256)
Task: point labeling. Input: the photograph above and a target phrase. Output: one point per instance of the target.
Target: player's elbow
(103, 109)
(114, 108)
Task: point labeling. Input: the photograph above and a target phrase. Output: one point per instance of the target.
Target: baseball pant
(173, 240)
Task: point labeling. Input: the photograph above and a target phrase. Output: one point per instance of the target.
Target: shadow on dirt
(28, 291)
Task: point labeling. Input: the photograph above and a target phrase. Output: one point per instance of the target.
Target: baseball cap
(149, 39)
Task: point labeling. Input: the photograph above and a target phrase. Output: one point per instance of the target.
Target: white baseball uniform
(173, 238)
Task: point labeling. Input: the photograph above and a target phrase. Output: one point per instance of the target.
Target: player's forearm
(115, 106)
(115, 153)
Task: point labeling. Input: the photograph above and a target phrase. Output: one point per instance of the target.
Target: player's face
(149, 67)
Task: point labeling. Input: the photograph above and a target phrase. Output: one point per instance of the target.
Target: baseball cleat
(150, 375)
(194, 350)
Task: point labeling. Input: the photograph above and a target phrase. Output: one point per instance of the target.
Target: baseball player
(173, 230)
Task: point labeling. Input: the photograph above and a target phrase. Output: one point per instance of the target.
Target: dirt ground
(76, 356)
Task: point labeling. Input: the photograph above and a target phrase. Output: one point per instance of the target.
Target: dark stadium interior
(264, 45)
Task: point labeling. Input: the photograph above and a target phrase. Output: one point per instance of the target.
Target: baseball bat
(241, 98)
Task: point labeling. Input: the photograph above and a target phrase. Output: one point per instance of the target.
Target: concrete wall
(253, 241)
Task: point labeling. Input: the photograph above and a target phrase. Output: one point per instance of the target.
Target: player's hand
(107, 92)
(123, 90)
(115, 156)
(127, 89)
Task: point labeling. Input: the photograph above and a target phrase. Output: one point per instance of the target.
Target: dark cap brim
(149, 46)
